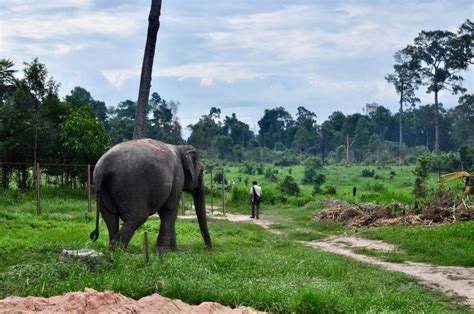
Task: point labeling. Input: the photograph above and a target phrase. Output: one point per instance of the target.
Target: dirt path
(450, 280)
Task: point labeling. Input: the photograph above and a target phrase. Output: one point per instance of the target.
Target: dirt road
(450, 280)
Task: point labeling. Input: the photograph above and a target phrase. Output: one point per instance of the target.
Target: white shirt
(258, 190)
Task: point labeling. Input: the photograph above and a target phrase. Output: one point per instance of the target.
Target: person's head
(254, 183)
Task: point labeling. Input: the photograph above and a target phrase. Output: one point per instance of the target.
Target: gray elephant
(136, 179)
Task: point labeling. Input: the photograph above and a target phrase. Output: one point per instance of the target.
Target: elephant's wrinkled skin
(136, 179)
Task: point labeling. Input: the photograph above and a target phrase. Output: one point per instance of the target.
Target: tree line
(37, 125)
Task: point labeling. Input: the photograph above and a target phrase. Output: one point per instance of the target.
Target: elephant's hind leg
(138, 216)
(111, 220)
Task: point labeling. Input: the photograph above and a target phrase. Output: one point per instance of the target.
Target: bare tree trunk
(436, 146)
(401, 156)
(147, 68)
(323, 151)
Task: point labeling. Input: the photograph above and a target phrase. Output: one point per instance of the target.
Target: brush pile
(372, 215)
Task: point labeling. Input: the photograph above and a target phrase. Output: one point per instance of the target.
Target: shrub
(300, 201)
(377, 187)
(289, 186)
(367, 173)
(330, 190)
(240, 196)
(444, 162)
(218, 178)
(421, 172)
(270, 174)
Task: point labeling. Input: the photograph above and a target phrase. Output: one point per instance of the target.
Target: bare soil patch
(373, 215)
(91, 301)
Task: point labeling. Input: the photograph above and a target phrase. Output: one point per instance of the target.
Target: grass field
(248, 265)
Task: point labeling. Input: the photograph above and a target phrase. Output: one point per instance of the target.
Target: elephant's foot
(112, 245)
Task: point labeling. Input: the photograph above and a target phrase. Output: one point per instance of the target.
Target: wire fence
(26, 175)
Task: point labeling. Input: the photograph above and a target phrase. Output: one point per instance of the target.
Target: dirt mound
(91, 301)
(357, 215)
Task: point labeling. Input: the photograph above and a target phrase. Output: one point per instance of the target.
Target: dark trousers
(255, 210)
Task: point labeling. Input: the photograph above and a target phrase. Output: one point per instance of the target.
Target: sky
(243, 56)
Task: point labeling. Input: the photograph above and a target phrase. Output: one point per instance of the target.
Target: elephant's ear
(189, 160)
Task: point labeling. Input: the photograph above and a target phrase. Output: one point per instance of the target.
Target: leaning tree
(147, 68)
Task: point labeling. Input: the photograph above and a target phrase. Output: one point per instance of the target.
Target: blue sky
(241, 56)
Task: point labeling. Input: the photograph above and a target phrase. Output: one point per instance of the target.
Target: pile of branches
(371, 215)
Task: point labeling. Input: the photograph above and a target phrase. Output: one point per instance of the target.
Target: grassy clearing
(248, 266)
(443, 245)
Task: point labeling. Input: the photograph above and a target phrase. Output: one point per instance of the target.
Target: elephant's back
(139, 164)
(136, 156)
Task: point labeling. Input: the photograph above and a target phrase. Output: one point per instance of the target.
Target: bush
(421, 172)
(289, 186)
(240, 196)
(330, 190)
(376, 187)
(218, 179)
(270, 174)
(444, 162)
(300, 201)
(367, 173)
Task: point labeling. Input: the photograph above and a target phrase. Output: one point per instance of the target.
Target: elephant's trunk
(200, 206)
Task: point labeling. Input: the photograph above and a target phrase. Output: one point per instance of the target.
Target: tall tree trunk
(323, 151)
(348, 150)
(401, 156)
(147, 68)
(436, 146)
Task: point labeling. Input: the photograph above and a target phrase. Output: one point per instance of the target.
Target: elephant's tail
(95, 234)
(98, 181)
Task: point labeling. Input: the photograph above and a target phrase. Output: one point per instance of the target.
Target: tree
(7, 79)
(441, 58)
(120, 122)
(80, 97)
(147, 68)
(238, 130)
(406, 79)
(204, 131)
(83, 138)
(164, 124)
(306, 135)
(462, 121)
(274, 126)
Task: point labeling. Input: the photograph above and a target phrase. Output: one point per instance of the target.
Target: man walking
(255, 199)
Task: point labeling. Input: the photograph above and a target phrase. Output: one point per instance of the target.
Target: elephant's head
(194, 183)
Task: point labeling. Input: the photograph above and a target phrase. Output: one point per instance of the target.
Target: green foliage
(83, 138)
(421, 173)
(289, 186)
(271, 174)
(466, 155)
(368, 173)
(331, 190)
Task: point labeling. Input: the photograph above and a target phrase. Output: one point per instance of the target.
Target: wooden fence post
(89, 187)
(212, 195)
(147, 257)
(38, 185)
(182, 203)
(223, 192)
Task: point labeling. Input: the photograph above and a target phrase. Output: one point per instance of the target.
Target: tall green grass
(248, 266)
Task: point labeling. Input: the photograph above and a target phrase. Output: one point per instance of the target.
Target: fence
(83, 173)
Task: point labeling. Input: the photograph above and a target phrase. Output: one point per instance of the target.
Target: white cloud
(206, 73)
(117, 77)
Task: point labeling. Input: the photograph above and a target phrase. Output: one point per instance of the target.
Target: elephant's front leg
(167, 235)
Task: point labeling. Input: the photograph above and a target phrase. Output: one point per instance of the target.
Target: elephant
(138, 178)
